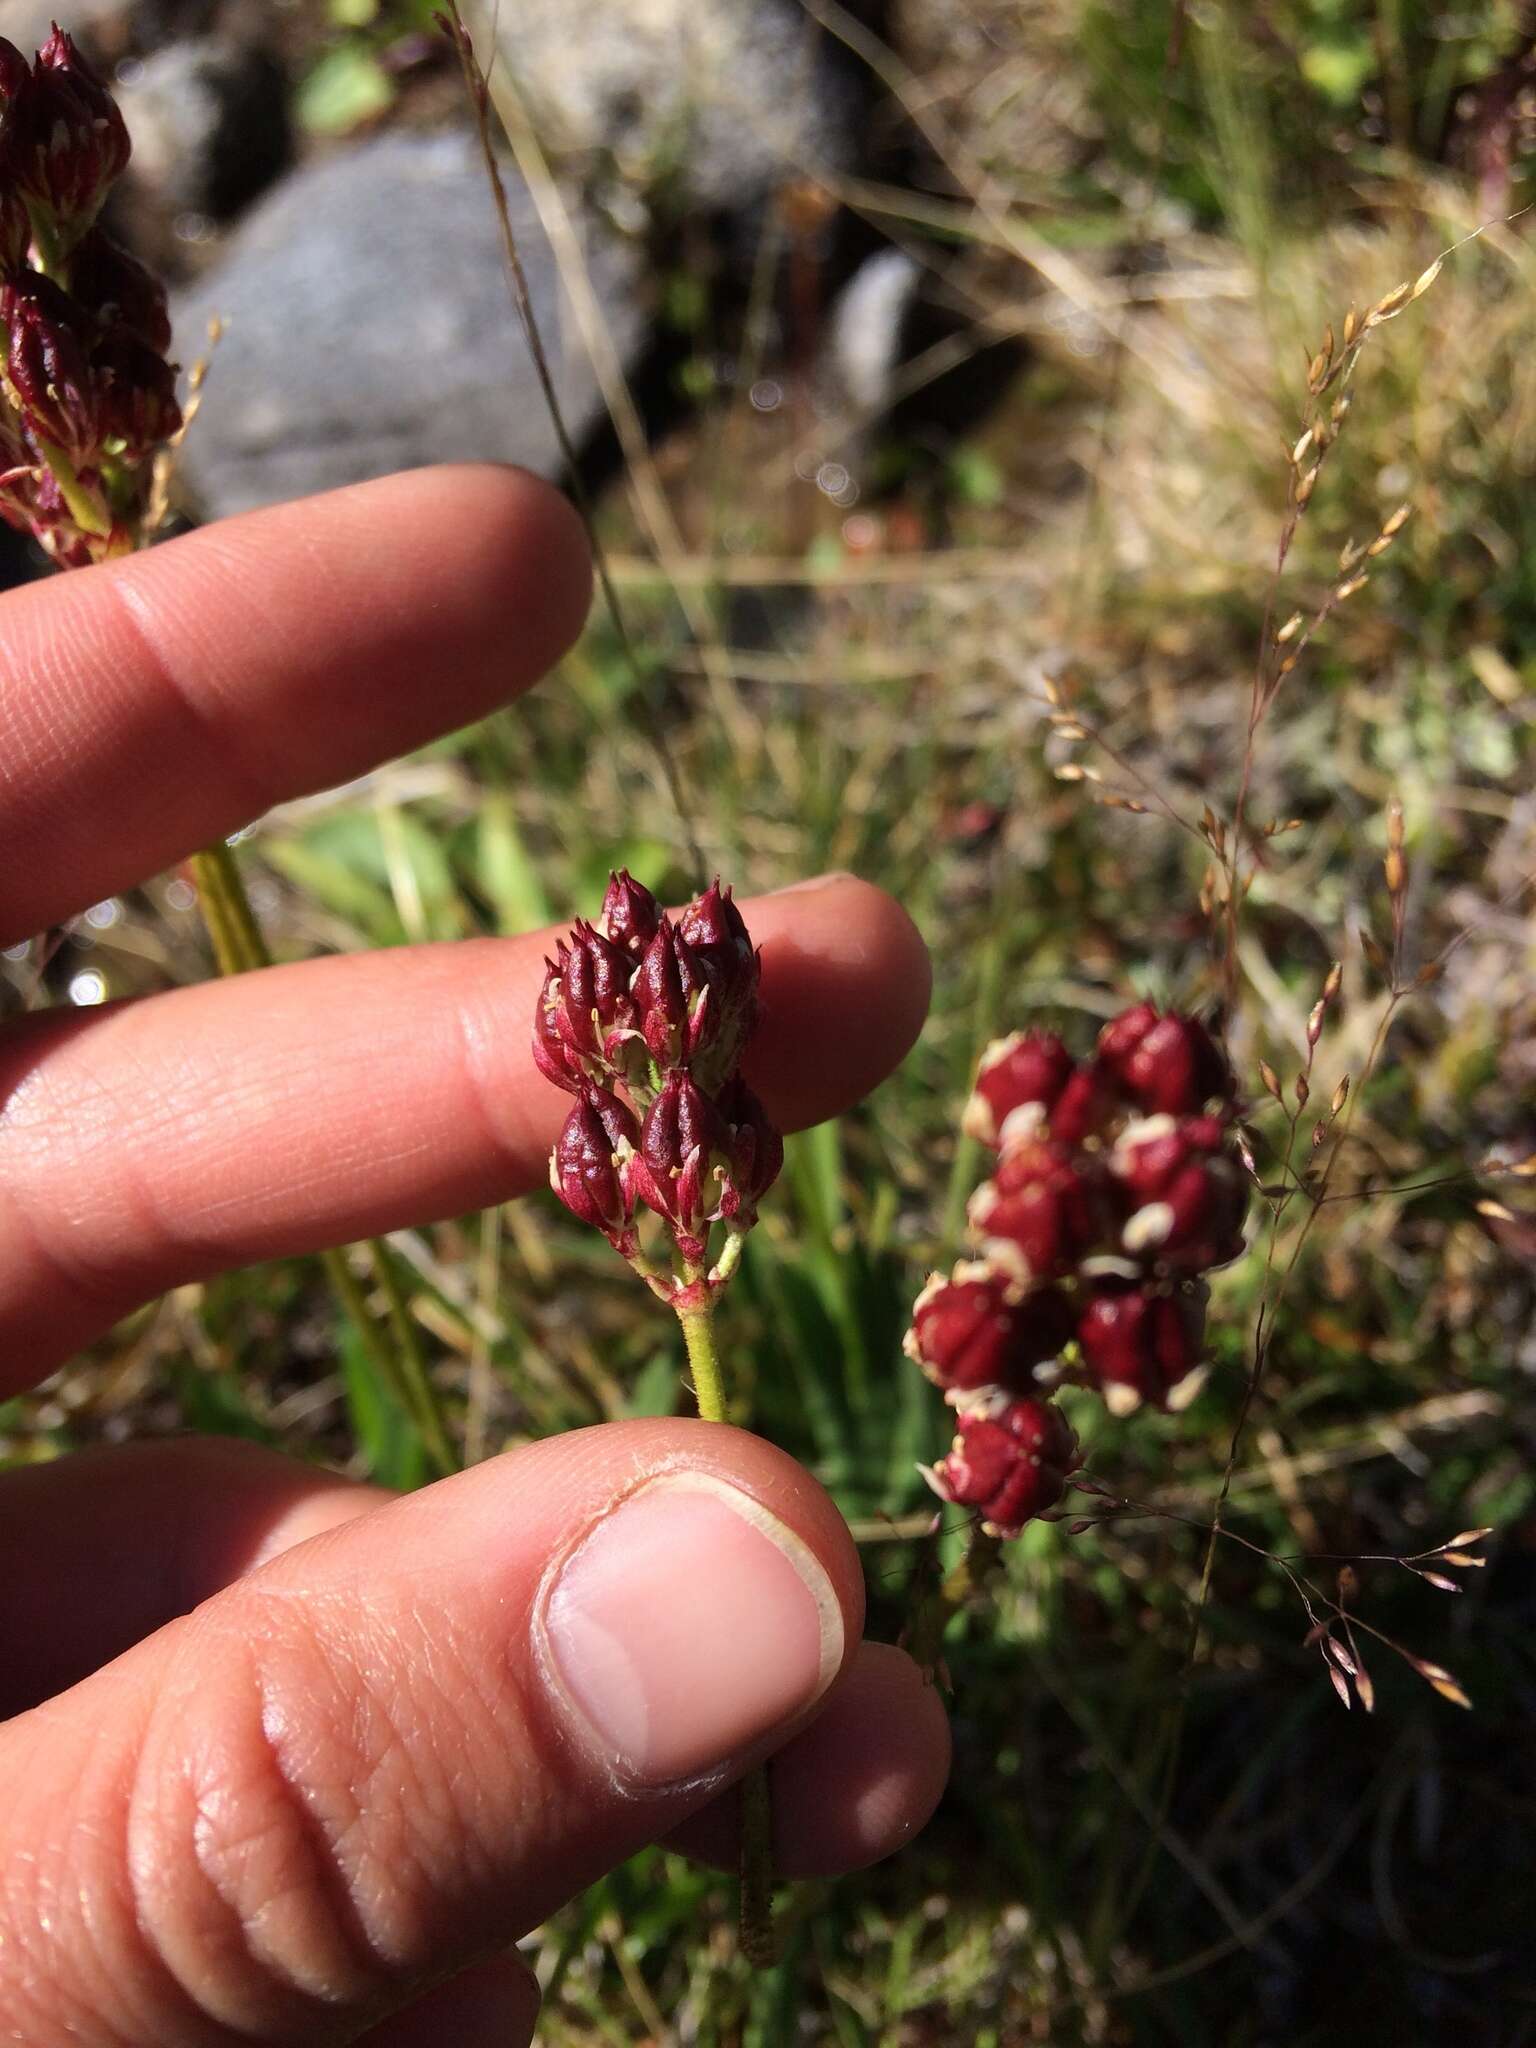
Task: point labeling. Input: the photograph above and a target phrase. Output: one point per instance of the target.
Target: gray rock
(209, 121)
(715, 102)
(369, 329)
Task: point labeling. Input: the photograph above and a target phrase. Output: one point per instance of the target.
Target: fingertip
(534, 540)
(856, 1785)
(493, 2004)
(847, 980)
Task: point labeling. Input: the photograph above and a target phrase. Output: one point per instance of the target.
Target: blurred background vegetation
(1137, 220)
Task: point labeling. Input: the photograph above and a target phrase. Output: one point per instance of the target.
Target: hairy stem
(704, 1364)
(392, 1348)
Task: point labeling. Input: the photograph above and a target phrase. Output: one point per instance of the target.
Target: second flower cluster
(1117, 1186)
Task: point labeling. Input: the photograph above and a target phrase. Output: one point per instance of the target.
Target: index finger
(155, 704)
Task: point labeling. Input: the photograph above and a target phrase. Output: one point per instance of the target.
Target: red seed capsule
(1042, 1211)
(755, 1153)
(589, 1167)
(1018, 1082)
(1169, 1063)
(1185, 1192)
(979, 1329)
(1010, 1465)
(1142, 1343)
(630, 913)
(683, 1156)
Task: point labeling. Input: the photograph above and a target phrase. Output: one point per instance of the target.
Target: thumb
(401, 1744)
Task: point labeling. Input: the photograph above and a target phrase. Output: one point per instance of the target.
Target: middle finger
(146, 1144)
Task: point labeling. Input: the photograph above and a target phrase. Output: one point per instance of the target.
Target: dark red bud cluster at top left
(1117, 1185)
(86, 394)
(644, 1019)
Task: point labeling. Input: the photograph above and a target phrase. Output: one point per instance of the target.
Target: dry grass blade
(453, 26)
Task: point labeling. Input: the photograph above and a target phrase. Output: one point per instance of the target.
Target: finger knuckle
(255, 1840)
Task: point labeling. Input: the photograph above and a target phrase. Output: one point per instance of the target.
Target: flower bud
(713, 930)
(1041, 1212)
(15, 225)
(1018, 1082)
(684, 1155)
(755, 1154)
(1083, 1107)
(585, 1014)
(672, 998)
(1011, 1465)
(15, 91)
(1141, 1343)
(70, 142)
(1185, 1192)
(589, 1167)
(119, 291)
(630, 913)
(978, 1329)
(47, 364)
(1163, 1063)
(135, 394)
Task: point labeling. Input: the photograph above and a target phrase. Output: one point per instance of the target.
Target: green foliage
(350, 80)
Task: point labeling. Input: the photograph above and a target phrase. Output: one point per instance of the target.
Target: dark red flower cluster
(1117, 1185)
(86, 394)
(644, 1020)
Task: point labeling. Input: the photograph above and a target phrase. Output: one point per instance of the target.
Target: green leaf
(655, 1391)
(384, 1435)
(347, 87)
(1339, 70)
(506, 874)
(216, 1403)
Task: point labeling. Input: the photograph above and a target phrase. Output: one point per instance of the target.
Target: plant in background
(1118, 1184)
(1121, 1182)
(87, 398)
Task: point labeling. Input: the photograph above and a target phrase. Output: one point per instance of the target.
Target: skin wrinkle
(116, 2001)
(215, 734)
(282, 1856)
(496, 1107)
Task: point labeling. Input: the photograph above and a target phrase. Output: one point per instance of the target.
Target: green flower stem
(237, 942)
(392, 1346)
(408, 1369)
(959, 1587)
(704, 1364)
(756, 1867)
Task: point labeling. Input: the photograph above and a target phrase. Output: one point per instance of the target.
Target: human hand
(290, 1760)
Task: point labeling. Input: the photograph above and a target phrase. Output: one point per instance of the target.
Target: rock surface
(369, 329)
(715, 102)
(209, 121)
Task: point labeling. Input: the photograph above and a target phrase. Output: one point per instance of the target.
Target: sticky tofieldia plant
(1094, 1232)
(1117, 1186)
(667, 1151)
